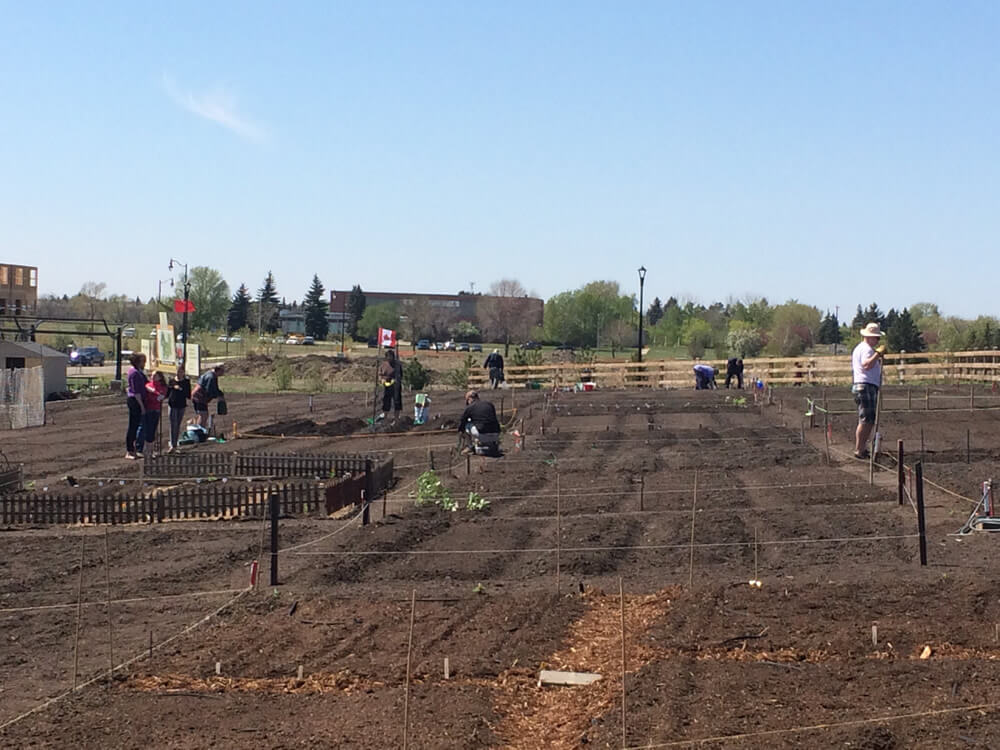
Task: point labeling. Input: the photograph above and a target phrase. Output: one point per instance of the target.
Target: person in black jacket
(178, 393)
(390, 372)
(494, 363)
(479, 422)
(734, 369)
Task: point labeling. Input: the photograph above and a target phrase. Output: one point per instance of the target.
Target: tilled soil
(680, 498)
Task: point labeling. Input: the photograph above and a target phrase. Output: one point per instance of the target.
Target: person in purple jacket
(135, 390)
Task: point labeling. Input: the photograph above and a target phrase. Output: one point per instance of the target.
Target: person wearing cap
(867, 364)
(479, 422)
(494, 363)
(205, 390)
(390, 373)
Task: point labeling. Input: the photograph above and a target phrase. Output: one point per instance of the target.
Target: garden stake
(406, 687)
(558, 528)
(968, 446)
(301, 671)
(996, 632)
(107, 577)
(694, 503)
(385, 500)
(218, 667)
(874, 635)
(642, 491)
(430, 459)
(79, 611)
(447, 671)
(927, 402)
(756, 577)
(150, 648)
(501, 408)
(621, 598)
(826, 434)
(468, 465)
(909, 399)
(900, 471)
(275, 512)
(921, 523)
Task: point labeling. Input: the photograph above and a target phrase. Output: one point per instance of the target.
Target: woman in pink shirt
(156, 394)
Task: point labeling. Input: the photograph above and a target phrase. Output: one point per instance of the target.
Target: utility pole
(642, 281)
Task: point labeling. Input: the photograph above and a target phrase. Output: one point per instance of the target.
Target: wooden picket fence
(236, 464)
(935, 367)
(213, 499)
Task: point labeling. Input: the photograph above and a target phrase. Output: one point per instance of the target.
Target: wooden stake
(874, 635)
(558, 530)
(107, 578)
(927, 398)
(621, 598)
(79, 612)
(218, 667)
(642, 491)
(968, 446)
(406, 688)
(150, 647)
(756, 577)
(909, 399)
(447, 670)
(921, 523)
(694, 504)
(301, 672)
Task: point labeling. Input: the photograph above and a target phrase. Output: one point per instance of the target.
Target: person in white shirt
(867, 363)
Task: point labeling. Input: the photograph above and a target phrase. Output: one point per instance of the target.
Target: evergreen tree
(904, 335)
(890, 319)
(858, 322)
(315, 308)
(239, 310)
(355, 309)
(267, 306)
(874, 315)
(829, 330)
(655, 312)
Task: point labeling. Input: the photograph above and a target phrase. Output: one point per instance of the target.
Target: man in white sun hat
(867, 362)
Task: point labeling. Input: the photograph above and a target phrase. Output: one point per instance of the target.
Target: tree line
(596, 315)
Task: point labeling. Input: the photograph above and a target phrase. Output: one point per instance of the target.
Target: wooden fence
(235, 464)
(216, 499)
(936, 367)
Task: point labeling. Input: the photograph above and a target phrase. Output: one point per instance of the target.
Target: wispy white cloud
(219, 106)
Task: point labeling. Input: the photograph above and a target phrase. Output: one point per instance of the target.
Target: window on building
(4, 277)
(32, 277)
(18, 276)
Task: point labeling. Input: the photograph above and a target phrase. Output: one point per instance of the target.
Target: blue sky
(837, 153)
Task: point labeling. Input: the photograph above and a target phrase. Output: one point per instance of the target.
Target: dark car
(463, 347)
(423, 344)
(531, 345)
(564, 348)
(477, 347)
(87, 356)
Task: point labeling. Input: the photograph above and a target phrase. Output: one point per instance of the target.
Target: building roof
(30, 349)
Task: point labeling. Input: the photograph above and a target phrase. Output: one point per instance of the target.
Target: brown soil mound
(343, 426)
(330, 369)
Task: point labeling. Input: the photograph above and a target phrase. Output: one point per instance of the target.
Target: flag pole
(378, 358)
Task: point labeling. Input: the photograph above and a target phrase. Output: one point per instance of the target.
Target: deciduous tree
(210, 295)
(501, 314)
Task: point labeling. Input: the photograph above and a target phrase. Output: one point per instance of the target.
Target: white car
(223, 339)
(235, 339)
(128, 332)
(292, 341)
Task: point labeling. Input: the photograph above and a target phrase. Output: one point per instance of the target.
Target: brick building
(452, 307)
(18, 289)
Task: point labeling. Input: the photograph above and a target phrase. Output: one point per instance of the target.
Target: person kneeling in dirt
(390, 372)
(704, 377)
(480, 426)
(734, 369)
(206, 390)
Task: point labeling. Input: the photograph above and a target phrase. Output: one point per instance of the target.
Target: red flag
(386, 338)
(183, 306)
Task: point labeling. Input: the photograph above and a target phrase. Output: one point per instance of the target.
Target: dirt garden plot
(681, 498)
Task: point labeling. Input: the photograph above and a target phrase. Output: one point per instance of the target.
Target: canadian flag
(183, 306)
(386, 338)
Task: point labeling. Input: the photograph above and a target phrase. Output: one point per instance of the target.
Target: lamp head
(642, 273)
(170, 265)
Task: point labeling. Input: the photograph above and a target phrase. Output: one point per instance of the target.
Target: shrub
(526, 357)
(460, 376)
(282, 374)
(416, 376)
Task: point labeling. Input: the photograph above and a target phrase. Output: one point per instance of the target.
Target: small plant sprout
(477, 502)
(479, 589)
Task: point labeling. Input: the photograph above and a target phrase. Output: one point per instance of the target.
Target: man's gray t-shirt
(871, 376)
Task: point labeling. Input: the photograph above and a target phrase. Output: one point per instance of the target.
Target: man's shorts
(866, 397)
(200, 407)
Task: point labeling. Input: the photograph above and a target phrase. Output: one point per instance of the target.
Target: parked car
(531, 345)
(87, 356)
(476, 348)
(564, 348)
(235, 339)
(463, 347)
(449, 346)
(127, 332)
(278, 340)
(423, 344)
(308, 341)
(438, 346)
(223, 339)
(291, 340)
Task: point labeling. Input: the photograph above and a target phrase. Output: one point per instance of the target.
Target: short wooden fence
(214, 499)
(236, 464)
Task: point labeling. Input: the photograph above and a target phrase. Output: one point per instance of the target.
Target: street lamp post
(184, 319)
(642, 281)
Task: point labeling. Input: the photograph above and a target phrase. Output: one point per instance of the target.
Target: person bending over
(704, 377)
